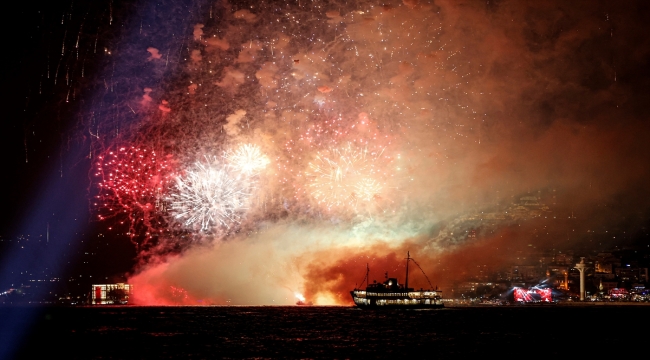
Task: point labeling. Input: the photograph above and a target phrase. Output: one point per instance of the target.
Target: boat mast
(367, 277)
(408, 258)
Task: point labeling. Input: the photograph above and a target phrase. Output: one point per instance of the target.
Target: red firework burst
(132, 182)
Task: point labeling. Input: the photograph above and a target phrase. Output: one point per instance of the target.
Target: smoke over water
(461, 132)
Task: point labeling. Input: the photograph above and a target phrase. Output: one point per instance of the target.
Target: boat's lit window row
(397, 301)
(409, 295)
(387, 294)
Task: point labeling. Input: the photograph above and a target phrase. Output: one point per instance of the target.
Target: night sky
(381, 127)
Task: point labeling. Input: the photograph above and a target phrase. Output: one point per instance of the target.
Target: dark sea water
(131, 332)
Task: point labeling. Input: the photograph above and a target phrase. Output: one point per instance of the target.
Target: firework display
(247, 159)
(330, 148)
(343, 175)
(132, 182)
(209, 195)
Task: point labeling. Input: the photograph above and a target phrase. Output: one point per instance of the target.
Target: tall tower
(581, 266)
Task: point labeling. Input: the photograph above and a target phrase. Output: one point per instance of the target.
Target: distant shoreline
(560, 304)
(447, 305)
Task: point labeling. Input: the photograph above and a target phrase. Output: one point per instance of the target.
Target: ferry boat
(390, 294)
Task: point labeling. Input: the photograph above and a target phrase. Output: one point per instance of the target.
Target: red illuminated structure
(522, 295)
(545, 294)
(532, 295)
(618, 293)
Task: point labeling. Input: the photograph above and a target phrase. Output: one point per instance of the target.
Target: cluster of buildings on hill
(620, 275)
(520, 210)
(609, 275)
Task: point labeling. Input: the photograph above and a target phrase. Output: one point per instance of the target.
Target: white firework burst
(209, 196)
(247, 159)
(367, 189)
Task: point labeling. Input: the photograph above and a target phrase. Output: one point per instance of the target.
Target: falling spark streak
(209, 196)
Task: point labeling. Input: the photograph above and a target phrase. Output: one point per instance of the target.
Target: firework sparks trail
(343, 176)
(178, 294)
(368, 189)
(133, 182)
(247, 159)
(209, 196)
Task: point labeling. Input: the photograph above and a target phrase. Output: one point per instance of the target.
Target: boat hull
(417, 306)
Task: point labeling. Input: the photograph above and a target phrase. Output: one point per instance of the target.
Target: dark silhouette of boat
(390, 294)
